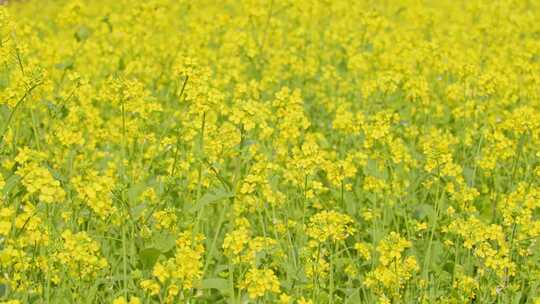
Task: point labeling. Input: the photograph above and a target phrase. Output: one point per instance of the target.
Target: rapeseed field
(270, 151)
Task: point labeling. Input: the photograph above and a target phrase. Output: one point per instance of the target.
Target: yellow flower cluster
(180, 273)
(122, 300)
(395, 270)
(37, 179)
(80, 256)
(269, 151)
(330, 226)
(260, 281)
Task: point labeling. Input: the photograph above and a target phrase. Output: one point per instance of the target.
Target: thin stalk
(199, 178)
(173, 169)
(17, 105)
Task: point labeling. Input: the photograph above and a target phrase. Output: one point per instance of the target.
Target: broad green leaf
(210, 198)
(215, 283)
(163, 242)
(148, 257)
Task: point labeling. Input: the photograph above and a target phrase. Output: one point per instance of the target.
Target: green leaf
(163, 242)
(82, 33)
(352, 295)
(423, 211)
(210, 198)
(138, 210)
(66, 64)
(221, 268)
(215, 283)
(11, 183)
(134, 192)
(438, 255)
(468, 174)
(148, 257)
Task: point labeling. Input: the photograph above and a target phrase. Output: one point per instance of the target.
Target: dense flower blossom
(292, 152)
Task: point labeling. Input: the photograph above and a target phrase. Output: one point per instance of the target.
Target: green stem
(17, 105)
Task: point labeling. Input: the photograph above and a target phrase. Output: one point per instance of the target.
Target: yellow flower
(160, 272)
(258, 282)
(81, 255)
(364, 250)
(302, 300)
(150, 286)
(134, 300)
(421, 226)
(284, 298)
(235, 242)
(394, 270)
(330, 225)
(120, 300)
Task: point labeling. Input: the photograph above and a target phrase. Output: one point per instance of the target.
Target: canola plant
(270, 151)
